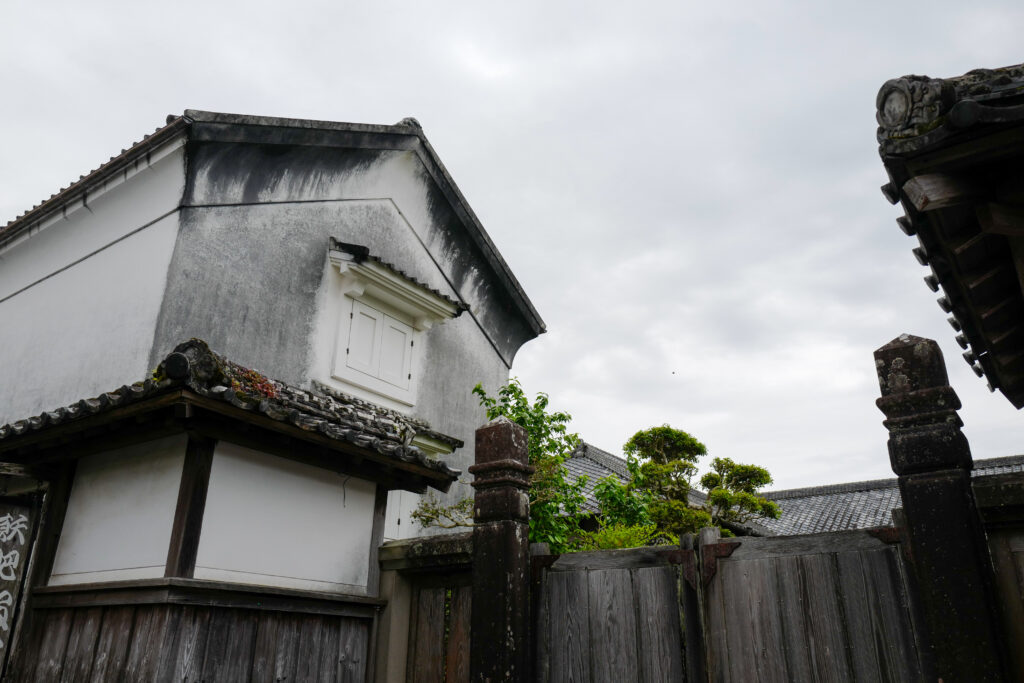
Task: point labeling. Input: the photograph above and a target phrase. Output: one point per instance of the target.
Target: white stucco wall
(276, 522)
(120, 514)
(279, 313)
(80, 296)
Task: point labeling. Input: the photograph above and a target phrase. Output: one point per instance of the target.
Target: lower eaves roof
(194, 368)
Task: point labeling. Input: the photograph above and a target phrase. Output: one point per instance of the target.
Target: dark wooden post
(501, 555)
(947, 545)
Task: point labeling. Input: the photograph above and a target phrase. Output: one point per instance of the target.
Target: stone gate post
(947, 545)
(501, 555)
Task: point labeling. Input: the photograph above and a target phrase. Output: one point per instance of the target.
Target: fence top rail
(444, 551)
(628, 558)
(751, 547)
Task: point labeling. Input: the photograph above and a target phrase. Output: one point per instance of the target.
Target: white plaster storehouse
(352, 299)
(219, 227)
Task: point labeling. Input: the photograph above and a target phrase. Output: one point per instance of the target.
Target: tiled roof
(594, 464)
(949, 146)
(360, 254)
(80, 188)
(193, 366)
(834, 507)
(857, 505)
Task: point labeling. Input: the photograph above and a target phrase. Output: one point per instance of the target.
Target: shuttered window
(375, 350)
(379, 346)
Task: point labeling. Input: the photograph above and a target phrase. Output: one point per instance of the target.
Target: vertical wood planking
(659, 636)
(218, 634)
(147, 638)
(265, 649)
(457, 653)
(898, 658)
(860, 627)
(826, 629)
(793, 606)
(426, 663)
(182, 655)
(612, 626)
(289, 630)
(330, 641)
(53, 644)
(354, 650)
(767, 648)
(570, 627)
(113, 644)
(81, 647)
(239, 656)
(716, 629)
(307, 665)
(734, 580)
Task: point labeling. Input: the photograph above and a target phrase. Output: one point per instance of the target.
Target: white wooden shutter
(396, 352)
(363, 352)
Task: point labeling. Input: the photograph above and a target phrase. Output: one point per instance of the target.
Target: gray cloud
(688, 192)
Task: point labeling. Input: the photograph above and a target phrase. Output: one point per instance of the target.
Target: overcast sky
(688, 192)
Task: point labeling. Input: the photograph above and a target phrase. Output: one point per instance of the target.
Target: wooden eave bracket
(1000, 219)
(710, 554)
(932, 191)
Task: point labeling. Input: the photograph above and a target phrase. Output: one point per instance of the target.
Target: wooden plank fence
(177, 643)
(608, 616)
(439, 629)
(823, 607)
(827, 607)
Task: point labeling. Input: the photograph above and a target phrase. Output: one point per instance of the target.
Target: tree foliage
(733, 492)
(662, 462)
(555, 502)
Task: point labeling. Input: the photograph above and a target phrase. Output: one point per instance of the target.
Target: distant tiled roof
(857, 505)
(594, 464)
(193, 366)
(834, 507)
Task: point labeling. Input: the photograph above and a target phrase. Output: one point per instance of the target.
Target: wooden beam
(933, 191)
(1000, 219)
(380, 506)
(188, 515)
(204, 594)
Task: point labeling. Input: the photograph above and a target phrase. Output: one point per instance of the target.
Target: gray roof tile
(192, 365)
(855, 505)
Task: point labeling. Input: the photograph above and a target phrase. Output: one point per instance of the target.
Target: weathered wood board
(170, 643)
(829, 607)
(610, 616)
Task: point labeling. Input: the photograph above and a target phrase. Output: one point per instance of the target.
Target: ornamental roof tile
(193, 366)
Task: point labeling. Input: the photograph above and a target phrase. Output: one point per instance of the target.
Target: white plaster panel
(120, 514)
(146, 195)
(87, 329)
(276, 522)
